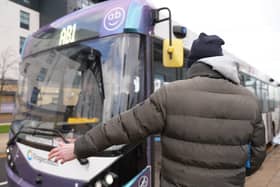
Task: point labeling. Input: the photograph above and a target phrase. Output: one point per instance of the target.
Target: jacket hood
(224, 65)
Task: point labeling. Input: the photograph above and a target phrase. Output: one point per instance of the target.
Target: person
(206, 123)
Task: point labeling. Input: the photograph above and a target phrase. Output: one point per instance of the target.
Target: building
(52, 9)
(16, 23)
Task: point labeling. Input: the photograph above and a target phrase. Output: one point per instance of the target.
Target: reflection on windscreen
(75, 88)
(71, 86)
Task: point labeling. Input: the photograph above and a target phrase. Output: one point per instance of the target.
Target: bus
(268, 92)
(89, 66)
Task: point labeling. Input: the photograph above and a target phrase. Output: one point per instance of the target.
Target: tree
(9, 61)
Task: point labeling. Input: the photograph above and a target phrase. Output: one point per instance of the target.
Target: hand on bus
(64, 152)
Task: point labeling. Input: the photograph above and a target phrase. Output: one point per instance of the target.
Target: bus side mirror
(173, 55)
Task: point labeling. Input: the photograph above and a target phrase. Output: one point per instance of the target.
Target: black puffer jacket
(206, 124)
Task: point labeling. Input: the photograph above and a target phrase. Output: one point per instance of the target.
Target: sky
(250, 28)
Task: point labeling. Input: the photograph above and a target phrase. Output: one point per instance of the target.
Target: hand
(64, 152)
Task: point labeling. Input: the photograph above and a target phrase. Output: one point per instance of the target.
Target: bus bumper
(14, 180)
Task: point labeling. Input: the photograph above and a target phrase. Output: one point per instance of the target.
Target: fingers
(63, 153)
(58, 156)
(54, 152)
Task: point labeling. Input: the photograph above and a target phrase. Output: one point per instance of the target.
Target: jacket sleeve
(131, 126)
(258, 146)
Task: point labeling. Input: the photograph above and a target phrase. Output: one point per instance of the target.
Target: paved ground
(3, 142)
(2, 173)
(269, 173)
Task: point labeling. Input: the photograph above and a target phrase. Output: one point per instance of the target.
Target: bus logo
(114, 18)
(143, 181)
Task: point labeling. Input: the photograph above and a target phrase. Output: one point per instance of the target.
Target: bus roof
(98, 20)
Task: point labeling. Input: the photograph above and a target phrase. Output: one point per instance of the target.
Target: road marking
(3, 183)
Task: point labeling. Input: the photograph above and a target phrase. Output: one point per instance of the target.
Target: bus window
(242, 78)
(161, 75)
(272, 97)
(264, 99)
(277, 96)
(259, 89)
(249, 82)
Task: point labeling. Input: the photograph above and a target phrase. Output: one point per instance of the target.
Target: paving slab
(3, 142)
(269, 173)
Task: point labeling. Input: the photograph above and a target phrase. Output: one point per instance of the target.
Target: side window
(262, 93)
(249, 82)
(161, 74)
(242, 78)
(265, 97)
(277, 97)
(272, 98)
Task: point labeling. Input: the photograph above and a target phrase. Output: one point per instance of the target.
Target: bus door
(277, 109)
(161, 76)
(266, 113)
(273, 109)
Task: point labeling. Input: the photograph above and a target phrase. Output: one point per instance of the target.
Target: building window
(21, 42)
(42, 74)
(24, 20)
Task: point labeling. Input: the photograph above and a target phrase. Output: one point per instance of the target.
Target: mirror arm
(157, 20)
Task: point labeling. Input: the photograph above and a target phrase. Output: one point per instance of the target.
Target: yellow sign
(82, 120)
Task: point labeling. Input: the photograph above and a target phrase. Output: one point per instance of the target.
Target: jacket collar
(215, 67)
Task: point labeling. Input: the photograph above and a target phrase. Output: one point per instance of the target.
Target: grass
(4, 128)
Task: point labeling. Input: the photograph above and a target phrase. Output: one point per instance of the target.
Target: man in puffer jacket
(206, 123)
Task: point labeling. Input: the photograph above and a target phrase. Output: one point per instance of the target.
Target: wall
(10, 33)
(10, 30)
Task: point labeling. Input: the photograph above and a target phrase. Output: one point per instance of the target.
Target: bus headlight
(109, 179)
(10, 161)
(106, 180)
(98, 184)
(9, 157)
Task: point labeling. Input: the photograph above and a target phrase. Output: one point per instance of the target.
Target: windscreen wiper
(82, 161)
(44, 132)
(35, 132)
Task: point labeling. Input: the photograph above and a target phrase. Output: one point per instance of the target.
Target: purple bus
(80, 71)
(89, 66)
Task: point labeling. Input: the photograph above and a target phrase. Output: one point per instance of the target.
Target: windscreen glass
(71, 90)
